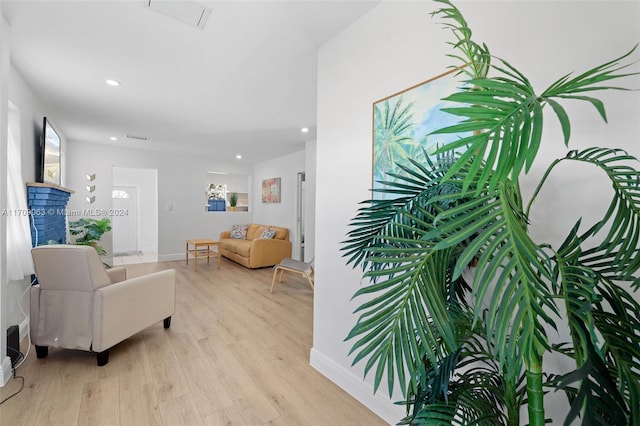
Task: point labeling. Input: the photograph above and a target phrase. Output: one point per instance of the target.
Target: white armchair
(78, 304)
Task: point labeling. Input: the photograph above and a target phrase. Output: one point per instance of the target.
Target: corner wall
(5, 363)
(283, 213)
(32, 109)
(397, 45)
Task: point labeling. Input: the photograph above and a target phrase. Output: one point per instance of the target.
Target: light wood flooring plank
(65, 396)
(235, 354)
(255, 407)
(231, 416)
(168, 378)
(182, 411)
(98, 401)
(138, 404)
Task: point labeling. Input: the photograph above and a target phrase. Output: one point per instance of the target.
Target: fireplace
(48, 213)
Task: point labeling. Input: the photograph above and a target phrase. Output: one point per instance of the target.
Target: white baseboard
(172, 256)
(356, 387)
(5, 371)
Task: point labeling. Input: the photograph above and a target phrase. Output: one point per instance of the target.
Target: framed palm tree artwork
(403, 122)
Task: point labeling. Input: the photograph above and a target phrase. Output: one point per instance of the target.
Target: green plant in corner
(233, 199)
(89, 231)
(461, 296)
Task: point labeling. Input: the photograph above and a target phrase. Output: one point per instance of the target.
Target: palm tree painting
(401, 123)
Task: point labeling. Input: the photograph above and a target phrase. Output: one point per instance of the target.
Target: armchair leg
(102, 358)
(42, 351)
(167, 322)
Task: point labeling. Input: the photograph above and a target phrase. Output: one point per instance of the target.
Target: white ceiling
(245, 84)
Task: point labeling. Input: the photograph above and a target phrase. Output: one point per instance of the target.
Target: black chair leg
(42, 351)
(167, 322)
(102, 358)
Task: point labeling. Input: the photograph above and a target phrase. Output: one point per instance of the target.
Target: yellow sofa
(255, 252)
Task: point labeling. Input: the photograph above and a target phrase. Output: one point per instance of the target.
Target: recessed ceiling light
(304, 130)
(113, 138)
(239, 157)
(113, 83)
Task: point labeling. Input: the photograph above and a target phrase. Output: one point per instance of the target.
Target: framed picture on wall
(402, 124)
(271, 190)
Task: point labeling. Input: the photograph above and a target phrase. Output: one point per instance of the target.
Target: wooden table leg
(195, 263)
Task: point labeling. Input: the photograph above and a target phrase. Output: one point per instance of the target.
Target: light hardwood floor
(235, 354)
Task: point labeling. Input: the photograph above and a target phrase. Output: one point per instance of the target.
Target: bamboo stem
(534, 391)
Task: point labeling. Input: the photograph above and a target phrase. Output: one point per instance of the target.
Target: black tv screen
(50, 163)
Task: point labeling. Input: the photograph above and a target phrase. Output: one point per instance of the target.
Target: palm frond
(472, 395)
(512, 273)
(505, 115)
(596, 398)
(411, 282)
(621, 243)
(476, 56)
(377, 218)
(504, 118)
(617, 319)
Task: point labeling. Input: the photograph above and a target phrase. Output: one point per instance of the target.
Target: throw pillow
(239, 231)
(268, 234)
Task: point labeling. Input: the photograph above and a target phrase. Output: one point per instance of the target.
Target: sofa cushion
(268, 234)
(236, 245)
(239, 231)
(255, 231)
(244, 249)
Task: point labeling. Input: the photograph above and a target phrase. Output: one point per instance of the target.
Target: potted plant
(462, 297)
(88, 231)
(233, 201)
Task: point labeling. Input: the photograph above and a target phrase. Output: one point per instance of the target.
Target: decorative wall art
(403, 121)
(216, 194)
(271, 190)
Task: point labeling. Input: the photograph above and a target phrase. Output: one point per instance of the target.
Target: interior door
(124, 222)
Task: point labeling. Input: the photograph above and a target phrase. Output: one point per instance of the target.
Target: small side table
(202, 247)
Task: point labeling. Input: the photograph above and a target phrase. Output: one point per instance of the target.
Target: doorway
(300, 215)
(124, 221)
(135, 215)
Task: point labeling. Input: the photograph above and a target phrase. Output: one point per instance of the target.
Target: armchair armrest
(117, 274)
(123, 309)
(268, 252)
(34, 313)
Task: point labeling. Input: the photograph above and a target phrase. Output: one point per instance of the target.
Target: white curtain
(19, 262)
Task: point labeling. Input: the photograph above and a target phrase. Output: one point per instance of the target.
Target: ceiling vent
(140, 138)
(186, 11)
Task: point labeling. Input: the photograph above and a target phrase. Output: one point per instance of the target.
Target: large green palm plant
(461, 296)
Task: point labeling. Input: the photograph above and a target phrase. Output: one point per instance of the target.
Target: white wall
(283, 213)
(181, 191)
(31, 111)
(397, 45)
(310, 207)
(5, 364)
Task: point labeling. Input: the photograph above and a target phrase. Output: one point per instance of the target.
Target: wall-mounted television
(50, 159)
